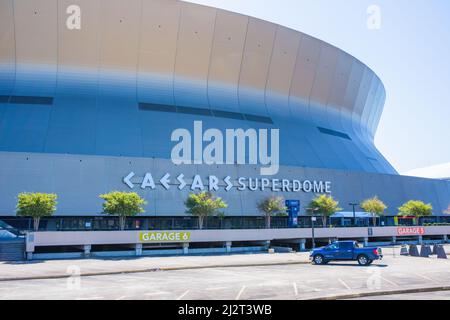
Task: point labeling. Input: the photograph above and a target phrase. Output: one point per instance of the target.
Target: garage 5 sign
(410, 231)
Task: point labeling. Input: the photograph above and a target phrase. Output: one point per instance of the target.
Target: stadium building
(92, 91)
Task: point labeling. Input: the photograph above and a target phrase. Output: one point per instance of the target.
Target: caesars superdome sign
(214, 183)
(222, 151)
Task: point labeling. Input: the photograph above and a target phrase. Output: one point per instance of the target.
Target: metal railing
(19, 225)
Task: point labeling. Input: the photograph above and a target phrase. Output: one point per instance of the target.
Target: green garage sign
(164, 236)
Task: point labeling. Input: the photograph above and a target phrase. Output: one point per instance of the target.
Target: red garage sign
(410, 231)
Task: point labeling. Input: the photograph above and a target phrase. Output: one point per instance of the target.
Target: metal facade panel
(78, 50)
(36, 57)
(323, 83)
(72, 126)
(195, 37)
(119, 37)
(255, 66)
(7, 48)
(226, 60)
(157, 51)
(304, 76)
(281, 71)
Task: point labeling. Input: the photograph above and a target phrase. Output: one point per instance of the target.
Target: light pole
(354, 211)
(313, 219)
(312, 232)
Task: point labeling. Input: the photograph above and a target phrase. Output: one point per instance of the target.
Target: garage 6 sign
(164, 236)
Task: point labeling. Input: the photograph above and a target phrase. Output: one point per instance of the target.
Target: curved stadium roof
(138, 69)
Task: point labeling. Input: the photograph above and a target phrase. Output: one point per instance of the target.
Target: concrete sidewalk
(88, 267)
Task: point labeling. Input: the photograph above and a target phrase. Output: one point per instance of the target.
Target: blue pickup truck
(345, 251)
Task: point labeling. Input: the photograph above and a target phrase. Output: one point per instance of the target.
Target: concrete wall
(82, 238)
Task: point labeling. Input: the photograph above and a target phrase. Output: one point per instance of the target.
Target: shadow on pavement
(353, 265)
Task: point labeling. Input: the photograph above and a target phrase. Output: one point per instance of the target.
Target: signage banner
(410, 231)
(214, 183)
(164, 236)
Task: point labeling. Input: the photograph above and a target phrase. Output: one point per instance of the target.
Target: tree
(324, 205)
(36, 205)
(123, 205)
(416, 209)
(203, 205)
(448, 210)
(374, 206)
(271, 206)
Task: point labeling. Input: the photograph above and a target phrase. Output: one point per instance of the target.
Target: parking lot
(280, 281)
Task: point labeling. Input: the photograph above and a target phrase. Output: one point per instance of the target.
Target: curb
(107, 273)
(382, 293)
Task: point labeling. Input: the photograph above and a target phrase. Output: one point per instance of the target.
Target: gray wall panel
(7, 47)
(78, 180)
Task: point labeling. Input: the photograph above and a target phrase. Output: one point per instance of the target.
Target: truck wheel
(318, 259)
(363, 260)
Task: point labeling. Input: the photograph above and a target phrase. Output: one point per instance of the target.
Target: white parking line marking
(344, 284)
(183, 295)
(295, 288)
(389, 281)
(240, 293)
(121, 298)
(425, 277)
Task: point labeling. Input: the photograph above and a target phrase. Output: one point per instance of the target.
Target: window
(204, 112)
(333, 246)
(346, 245)
(334, 133)
(31, 100)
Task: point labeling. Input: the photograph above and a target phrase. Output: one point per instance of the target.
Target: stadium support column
(186, 248)
(138, 249)
(445, 238)
(366, 242)
(420, 240)
(29, 245)
(87, 250)
(394, 240)
(228, 246)
(302, 245)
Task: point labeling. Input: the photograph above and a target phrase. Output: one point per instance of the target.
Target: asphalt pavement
(273, 281)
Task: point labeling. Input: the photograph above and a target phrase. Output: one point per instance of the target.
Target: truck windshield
(333, 246)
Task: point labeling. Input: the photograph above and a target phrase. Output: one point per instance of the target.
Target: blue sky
(410, 53)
